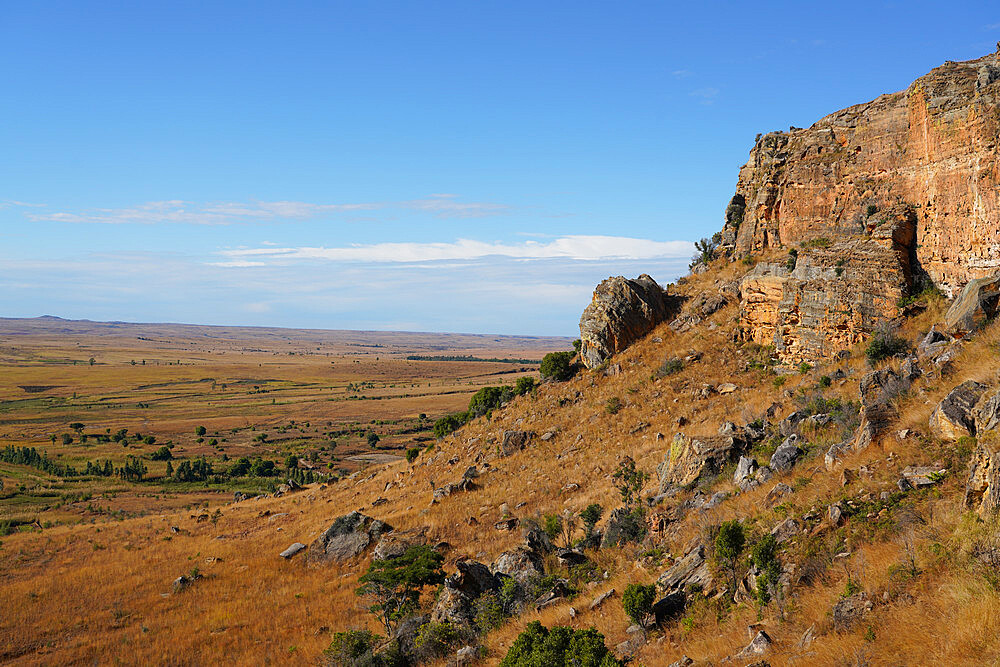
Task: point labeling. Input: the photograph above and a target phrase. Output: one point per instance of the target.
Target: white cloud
(706, 95)
(225, 213)
(585, 248)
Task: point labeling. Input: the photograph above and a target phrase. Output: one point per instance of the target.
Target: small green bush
(450, 423)
(821, 242)
(670, 366)
(412, 453)
(351, 647)
(637, 601)
(613, 405)
(871, 210)
(885, 345)
(558, 366)
(524, 385)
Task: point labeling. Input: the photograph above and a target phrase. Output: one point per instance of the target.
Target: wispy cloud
(991, 26)
(12, 203)
(706, 95)
(580, 248)
(175, 211)
(681, 73)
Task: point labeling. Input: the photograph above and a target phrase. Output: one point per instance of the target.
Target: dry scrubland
(80, 593)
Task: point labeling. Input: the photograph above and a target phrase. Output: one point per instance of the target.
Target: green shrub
(765, 556)
(884, 345)
(637, 601)
(590, 516)
(804, 368)
(394, 584)
(435, 640)
(412, 453)
(552, 525)
(488, 399)
(558, 366)
(450, 423)
(825, 381)
(821, 242)
(670, 366)
(793, 257)
(871, 210)
(613, 405)
(200, 430)
(537, 646)
(351, 648)
(524, 385)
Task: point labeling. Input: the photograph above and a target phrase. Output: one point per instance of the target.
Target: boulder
(987, 412)
(600, 599)
(974, 306)
(982, 489)
(464, 484)
(787, 453)
(181, 583)
(691, 570)
(292, 550)
(514, 441)
(395, 544)
(348, 536)
(759, 645)
(521, 564)
(953, 418)
(779, 491)
(690, 457)
(850, 609)
(669, 606)
(790, 424)
(921, 476)
(621, 312)
(455, 601)
(785, 530)
(743, 477)
(570, 557)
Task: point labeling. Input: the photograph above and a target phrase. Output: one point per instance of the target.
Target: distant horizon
(49, 317)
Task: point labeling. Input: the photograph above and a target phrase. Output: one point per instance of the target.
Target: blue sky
(432, 166)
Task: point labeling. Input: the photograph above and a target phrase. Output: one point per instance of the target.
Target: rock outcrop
(622, 311)
(347, 537)
(828, 297)
(953, 418)
(978, 302)
(690, 457)
(933, 146)
(982, 490)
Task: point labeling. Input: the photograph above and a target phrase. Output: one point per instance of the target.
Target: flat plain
(338, 401)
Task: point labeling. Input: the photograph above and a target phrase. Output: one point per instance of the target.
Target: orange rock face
(932, 147)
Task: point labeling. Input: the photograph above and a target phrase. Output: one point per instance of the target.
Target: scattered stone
(470, 473)
(790, 424)
(758, 646)
(548, 435)
(786, 454)
(599, 600)
(292, 550)
(570, 488)
(683, 662)
(726, 388)
(506, 524)
(514, 441)
(835, 514)
(465, 484)
(455, 601)
(348, 536)
(466, 655)
(181, 583)
(921, 476)
(779, 491)
(850, 609)
(987, 412)
(379, 501)
(847, 476)
(953, 418)
(785, 530)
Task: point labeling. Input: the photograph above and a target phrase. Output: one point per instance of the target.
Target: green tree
(162, 454)
(764, 555)
(373, 439)
(350, 648)
(558, 366)
(394, 584)
(412, 453)
(67, 439)
(729, 545)
(170, 470)
(200, 430)
(637, 601)
(291, 462)
(76, 426)
(590, 516)
(450, 423)
(629, 482)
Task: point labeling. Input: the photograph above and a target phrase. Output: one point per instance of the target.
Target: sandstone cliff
(932, 146)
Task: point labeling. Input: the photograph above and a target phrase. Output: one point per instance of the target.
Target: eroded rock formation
(622, 311)
(933, 146)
